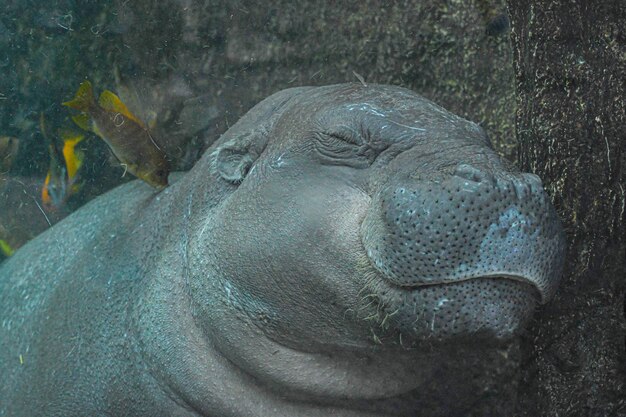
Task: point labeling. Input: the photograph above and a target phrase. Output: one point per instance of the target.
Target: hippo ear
(234, 158)
(246, 140)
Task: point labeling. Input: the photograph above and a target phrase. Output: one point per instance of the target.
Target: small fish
(62, 180)
(5, 248)
(128, 137)
(8, 149)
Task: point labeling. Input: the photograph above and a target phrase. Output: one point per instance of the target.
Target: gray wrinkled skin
(301, 268)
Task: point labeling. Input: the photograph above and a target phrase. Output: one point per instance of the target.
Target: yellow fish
(127, 136)
(5, 248)
(61, 180)
(8, 150)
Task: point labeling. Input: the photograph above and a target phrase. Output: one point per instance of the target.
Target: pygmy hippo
(298, 269)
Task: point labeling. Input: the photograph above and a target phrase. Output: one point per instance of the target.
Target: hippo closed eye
(297, 270)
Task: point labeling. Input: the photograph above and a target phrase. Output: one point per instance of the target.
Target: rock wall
(570, 65)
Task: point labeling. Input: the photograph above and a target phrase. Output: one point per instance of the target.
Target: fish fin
(73, 158)
(5, 248)
(73, 162)
(82, 120)
(84, 98)
(71, 137)
(112, 103)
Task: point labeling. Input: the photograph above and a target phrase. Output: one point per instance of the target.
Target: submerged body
(303, 267)
(128, 137)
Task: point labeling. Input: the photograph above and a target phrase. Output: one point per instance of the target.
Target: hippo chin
(299, 269)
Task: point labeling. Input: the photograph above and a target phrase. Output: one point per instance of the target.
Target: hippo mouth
(492, 307)
(480, 307)
(523, 281)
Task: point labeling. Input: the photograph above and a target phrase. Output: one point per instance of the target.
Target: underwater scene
(354, 208)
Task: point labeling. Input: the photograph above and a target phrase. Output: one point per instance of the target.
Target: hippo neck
(353, 375)
(204, 362)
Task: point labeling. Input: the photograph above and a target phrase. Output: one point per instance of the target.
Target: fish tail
(84, 100)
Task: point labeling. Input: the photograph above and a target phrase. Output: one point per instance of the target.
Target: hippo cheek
(462, 257)
(290, 250)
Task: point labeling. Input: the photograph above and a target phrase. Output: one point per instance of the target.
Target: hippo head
(357, 216)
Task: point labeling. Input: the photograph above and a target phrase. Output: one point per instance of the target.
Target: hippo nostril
(470, 173)
(522, 188)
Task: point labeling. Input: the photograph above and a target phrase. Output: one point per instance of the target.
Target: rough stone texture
(570, 63)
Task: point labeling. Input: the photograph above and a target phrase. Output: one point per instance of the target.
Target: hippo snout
(471, 224)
